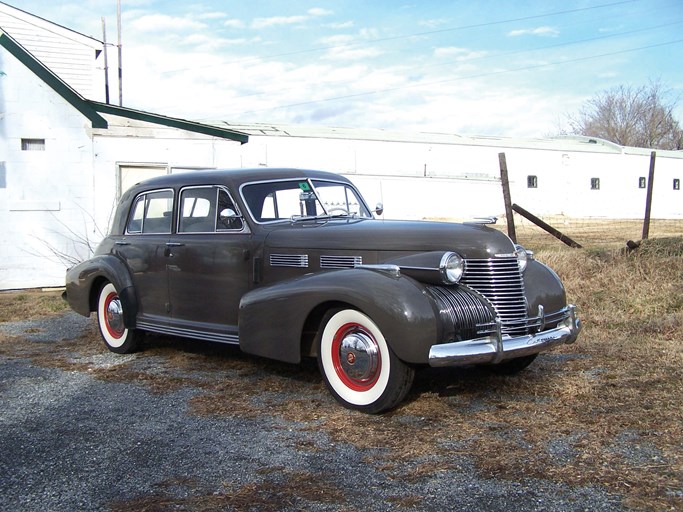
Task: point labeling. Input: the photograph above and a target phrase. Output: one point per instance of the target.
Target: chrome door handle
(174, 244)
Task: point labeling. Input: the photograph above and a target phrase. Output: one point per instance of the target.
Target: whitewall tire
(117, 337)
(358, 366)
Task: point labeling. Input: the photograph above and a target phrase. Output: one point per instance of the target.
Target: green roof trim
(53, 81)
(172, 122)
(92, 109)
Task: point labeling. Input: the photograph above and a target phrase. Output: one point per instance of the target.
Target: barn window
(642, 182)
(595, 183)
(33, 144)
(532, 181)
(677, 184)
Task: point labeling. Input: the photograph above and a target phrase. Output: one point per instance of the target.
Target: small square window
(677, 184)
(532, 181)
(33, 144)
(595, 183)
(642, 182)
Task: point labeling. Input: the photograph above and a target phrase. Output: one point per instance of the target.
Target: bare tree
(631, 116)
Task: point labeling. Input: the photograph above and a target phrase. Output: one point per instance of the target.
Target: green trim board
(92, 109)
(172, 122)
(53, 81)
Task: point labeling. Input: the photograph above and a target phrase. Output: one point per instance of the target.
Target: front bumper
(499, 347)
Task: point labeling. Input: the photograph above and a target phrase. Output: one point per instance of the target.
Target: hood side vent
(289, 260)
(340, 261)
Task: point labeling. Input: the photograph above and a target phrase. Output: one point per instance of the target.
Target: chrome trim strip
(231, 339)
(499, 347)
(392, 270)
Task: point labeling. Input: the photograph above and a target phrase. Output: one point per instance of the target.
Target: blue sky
(498, 68)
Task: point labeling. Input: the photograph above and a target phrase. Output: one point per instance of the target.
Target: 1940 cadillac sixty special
(290, 263)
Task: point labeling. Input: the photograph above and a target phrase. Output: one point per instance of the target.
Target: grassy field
(606, 411)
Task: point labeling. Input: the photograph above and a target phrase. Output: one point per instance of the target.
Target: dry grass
(606, 411)
(30, 304)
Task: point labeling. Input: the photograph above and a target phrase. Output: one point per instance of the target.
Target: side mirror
(228, 213)
(379, 209)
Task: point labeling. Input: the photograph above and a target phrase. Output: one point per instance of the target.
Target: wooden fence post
(648, 201)
(506, 197)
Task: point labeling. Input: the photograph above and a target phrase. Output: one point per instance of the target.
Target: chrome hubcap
(359, 356)
(115, 315)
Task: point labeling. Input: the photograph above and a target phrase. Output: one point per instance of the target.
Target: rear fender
(272, 318)
(83, 283)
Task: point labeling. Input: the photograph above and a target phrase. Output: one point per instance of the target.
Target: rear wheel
(358, 366)
(116, 336)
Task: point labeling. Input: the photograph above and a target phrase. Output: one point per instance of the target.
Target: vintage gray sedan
(290, 263)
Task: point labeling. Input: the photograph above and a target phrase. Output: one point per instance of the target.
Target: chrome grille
(500, 281)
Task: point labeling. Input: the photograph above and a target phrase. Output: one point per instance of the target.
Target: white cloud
(259, 23)
(162, 22)
(234, 23)
(212, 15)
(340, 25)
(539, 31)
(459, 54)
(317, 11)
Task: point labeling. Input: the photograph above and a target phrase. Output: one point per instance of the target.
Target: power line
(468, 77)
(405, 36)
(507, 54)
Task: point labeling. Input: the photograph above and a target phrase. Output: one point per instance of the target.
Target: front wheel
(116, 336)
(358, 366)
(512, 366)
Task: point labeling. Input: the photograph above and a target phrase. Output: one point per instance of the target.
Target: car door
(209, 264)
(143, 248)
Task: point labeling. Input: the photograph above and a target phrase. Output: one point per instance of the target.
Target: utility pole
(118, 22)
(106, 62)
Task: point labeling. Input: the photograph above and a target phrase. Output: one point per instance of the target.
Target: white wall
(46, 192)
(461, 180)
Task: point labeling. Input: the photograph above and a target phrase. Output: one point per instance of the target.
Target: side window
(197, 210)
(228, 217)
(151, 213)
(206, 210)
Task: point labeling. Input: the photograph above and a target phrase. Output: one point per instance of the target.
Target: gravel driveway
(76, 435)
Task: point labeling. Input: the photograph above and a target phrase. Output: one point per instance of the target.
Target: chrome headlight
(523, 256)
(452, 267)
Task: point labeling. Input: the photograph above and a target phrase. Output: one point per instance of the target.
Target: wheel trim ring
(354, 384)
(113, 332)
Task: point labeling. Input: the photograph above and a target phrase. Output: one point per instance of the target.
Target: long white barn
(65, 157)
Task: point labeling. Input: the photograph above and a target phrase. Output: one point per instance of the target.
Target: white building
(65, 157)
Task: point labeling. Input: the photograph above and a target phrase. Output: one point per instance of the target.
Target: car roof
(235, 177)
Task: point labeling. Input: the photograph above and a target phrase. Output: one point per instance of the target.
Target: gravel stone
(69, 441)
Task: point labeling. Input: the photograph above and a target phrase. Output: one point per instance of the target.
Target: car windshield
(302, 199)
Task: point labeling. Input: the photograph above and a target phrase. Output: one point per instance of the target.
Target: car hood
(469, 240)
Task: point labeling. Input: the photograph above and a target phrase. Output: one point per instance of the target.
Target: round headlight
(523, 256)
(452, 267)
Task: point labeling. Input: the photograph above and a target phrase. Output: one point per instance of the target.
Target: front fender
(81, 279)
(543, 287)
(272, 318)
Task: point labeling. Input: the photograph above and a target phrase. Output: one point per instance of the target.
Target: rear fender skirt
(272, 318)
